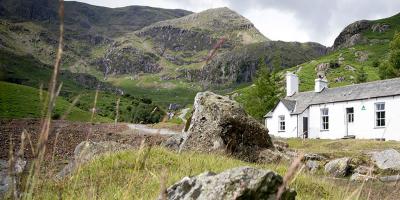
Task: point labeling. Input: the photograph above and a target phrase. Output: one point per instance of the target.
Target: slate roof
(389, 87)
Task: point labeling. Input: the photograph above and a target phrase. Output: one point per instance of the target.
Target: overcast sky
(288, 20)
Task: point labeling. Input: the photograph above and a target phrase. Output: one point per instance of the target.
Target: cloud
(288, 20)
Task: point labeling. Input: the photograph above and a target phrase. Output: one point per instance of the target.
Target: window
(325, 119)
(282, 125)
(380, 115)
(350, 114)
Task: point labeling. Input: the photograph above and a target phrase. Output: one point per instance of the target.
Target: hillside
(19, 101)
(361, 44)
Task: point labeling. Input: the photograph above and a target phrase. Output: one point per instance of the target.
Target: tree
(361, 76)
(390, 67)
(265, 93)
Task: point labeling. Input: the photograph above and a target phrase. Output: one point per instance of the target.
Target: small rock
(87, 150)
(356, 177)
(236, 183)
(394, 178)
(270, 156)
(349, 68)
(387, 160)
(361, 56)
(312, 166)
(280, 145)
(173, 142)
(338, 167)
(313, 156)
(363, 170)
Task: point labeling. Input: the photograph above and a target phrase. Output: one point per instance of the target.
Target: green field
(18, 101)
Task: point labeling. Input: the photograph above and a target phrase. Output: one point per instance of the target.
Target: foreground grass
(19, 101)
(340, 148)
(132, 175)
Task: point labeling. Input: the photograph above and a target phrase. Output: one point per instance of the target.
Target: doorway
(305, 127)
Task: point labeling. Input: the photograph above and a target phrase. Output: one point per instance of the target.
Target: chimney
(292, 84)
(320, 84)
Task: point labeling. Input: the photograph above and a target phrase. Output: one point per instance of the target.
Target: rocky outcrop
(87, 151)
(387, 160)
(380, 28)
(351, 35)
(237, 183)
(339, 167)
(219, 124)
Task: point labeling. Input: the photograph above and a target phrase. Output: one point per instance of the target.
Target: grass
(340, 148)
(117, 176)
(18, 101)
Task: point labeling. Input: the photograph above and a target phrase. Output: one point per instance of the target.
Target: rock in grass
(394, 178)
(236, 183)
(86, 151)
(357, 177)
(338, 167)
(6, 180)
(219, 124)
(312, 166)
(387, 160)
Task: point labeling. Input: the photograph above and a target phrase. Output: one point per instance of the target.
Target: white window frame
(380, 110)
(324, 124)
(281, 123)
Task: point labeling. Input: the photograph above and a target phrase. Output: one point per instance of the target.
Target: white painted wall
(272, 123)
(364, 120)
(292, 84)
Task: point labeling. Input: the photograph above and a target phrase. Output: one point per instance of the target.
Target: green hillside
(367, 53)
(18, 101)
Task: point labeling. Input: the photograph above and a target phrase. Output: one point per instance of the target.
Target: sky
(287, 20)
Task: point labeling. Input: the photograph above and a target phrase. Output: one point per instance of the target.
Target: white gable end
(273, 123)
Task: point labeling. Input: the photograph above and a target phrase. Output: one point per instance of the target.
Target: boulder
(87, 151)
(364, 170)
(361, 56)
(338, 167)
(380, 28)
(219, 124)
(236, 183)
(312, 166)
(387, 160)
(349, 68)
(351, 35)
(280, 145)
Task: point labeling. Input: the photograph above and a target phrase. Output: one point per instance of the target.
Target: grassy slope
(376, 52)
(118, 176)
(18, 101)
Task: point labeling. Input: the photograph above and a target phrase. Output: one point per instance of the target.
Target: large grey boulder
(387, 160)
(236, 183)
(219, 124)
(338, 167)
(312, 166)
(87, 151)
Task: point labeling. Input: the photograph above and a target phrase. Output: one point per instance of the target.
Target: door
(349, 121)
(305, 127)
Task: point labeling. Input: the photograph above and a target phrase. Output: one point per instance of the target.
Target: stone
(364, 170)
(280, 145)
(394, 178)
(312, 166)
(313, 156)
(388, 159)
(339, 167)
(270, 156)
(5, 179)
(380, 28)
(322, 69)
(173, 142)
(349, 68)
(87, 151)
(351, 35)
(219, 124)
(236, 183)
(357, 177)
(339, 79)
(361, 56)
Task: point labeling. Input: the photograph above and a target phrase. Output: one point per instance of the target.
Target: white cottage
(368, 111)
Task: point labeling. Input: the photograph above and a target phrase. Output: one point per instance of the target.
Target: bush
(56, 116)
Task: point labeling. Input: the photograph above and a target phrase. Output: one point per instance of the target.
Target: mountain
(163, 54)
